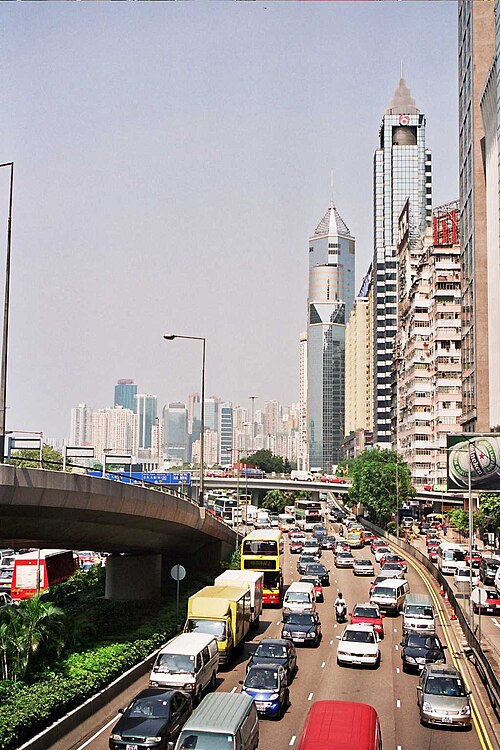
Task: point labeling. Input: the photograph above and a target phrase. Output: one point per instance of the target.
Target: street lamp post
(171, 337)
(5, 334)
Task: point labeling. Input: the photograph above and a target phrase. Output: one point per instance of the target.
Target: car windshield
(205, 741)
(317, 569)
(359, 636)
(365, 612)
(419, 640)
(309, 579)
(363, 563)
(297, 597)
(153, 707)
(384, 591)
(418, 611)
(212, 627)
(391, 566)
(262, 679)
(300, 619)
(442, 685)
(271, 650)
(175, 663)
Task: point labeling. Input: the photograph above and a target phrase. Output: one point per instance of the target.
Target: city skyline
(162, 192)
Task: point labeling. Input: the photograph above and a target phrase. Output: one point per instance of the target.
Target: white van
(301, 476)
(390, 595)
(226, 721)
(418, 614)
(299, 597)
(188, 662)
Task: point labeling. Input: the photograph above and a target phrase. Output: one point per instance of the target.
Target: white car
(381, 552)
(463, 576)
(359, 644)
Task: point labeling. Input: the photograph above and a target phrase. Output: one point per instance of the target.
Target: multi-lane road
(391, 692)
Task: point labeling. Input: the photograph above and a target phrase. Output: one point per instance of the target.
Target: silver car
(363, 567)
(442, 696)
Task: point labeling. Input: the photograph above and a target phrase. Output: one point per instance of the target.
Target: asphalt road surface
(392, 693)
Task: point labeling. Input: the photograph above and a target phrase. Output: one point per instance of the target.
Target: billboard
(477, 453)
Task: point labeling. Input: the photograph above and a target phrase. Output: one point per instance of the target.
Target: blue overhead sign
(179, 478)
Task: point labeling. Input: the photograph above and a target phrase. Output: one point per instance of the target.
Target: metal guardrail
(474, 651)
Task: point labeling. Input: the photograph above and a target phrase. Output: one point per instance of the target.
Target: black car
(319, 571)
(319, 532)
(276, 651)
(302, 627)
(419, 649)
(305, 560)
(488, 568)
(154, 718)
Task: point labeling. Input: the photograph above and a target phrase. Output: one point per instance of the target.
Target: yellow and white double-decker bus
(263, 550)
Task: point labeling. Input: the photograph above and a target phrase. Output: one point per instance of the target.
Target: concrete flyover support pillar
(132, 577)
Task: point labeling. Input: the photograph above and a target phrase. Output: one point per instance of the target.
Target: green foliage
(51, 458)
(234, 562)
(488, 515)
(459, 519)
(275, 500)
(265, 460)
(381, 482)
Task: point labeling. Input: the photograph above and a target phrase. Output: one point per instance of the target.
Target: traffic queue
(180, 708)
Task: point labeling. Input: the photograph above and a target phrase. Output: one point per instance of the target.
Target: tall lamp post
(5, 334)
(171, 337)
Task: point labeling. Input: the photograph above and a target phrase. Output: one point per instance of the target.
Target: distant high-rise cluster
(133, 426)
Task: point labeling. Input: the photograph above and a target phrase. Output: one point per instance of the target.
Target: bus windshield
(260, 547)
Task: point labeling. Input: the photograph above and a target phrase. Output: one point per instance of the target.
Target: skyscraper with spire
(330, 300)
(402, 169)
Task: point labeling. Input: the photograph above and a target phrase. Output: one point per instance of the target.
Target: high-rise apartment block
(358, 362)
(476, 52)
(113, 430)
(402, 170)
(226, 446)
(427, 401)
(330, 300)
(81, 425)
(125, 392)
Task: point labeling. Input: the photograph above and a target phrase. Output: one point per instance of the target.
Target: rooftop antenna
(401, 69)
(331, 185)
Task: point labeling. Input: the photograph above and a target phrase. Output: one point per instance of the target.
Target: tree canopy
(488, 515)
(27, 458)
(277, 500)
(265, 460)
(381, 482)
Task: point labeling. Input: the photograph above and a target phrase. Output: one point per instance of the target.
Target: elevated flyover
(40, 508)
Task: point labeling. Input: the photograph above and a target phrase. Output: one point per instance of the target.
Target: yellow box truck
(222, 611)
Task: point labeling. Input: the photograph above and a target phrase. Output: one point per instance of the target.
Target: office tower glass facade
(226, 435)
(175, 431)
(146, 415)
(330, 300)
(402, 170)
(125, 393)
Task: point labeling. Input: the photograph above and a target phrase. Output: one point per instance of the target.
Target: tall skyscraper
(145, 408)
(113, 430)
(125, 392)
(81, 425)
(330, 300)
(358, 363)
(476, 49)
(175, 424)
(402, 169)
(303, 449)
(226, 457)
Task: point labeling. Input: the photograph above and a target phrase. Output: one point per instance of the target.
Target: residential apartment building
(427, 365)
(114, 430)
(476, 52)
(358, 361)
(402, 170)
(226, 444)
(81, 425)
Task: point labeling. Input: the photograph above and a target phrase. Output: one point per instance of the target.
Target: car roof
(442, 669)
(360, 626)
(268, 665)
(275, 641)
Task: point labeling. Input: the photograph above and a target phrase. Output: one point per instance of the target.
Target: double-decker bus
(308, 514)
(262, 550)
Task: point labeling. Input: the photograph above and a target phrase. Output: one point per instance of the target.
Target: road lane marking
(395, 630)
(397, 670)
(292, 741)
(233, 690)
(397, 648)
(323, 665)
(91, 739)
(331, 642)
(310, 696)
(493, 619)
(398, 704)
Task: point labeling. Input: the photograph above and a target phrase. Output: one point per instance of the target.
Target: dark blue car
(268, 687)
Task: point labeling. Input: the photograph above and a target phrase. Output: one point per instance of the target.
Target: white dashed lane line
(91, 739)
(292, 741)
(310, 696)
(397, 648)
(398, 704)
(397, 670)
(331, 643)
(323, 665)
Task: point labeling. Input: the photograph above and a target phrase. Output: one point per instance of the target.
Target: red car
(369, 614)
(476, 559)
(393, 557)
(377, 543)
(369, 537)
(491, 605)
(296, 547)
(433, 554)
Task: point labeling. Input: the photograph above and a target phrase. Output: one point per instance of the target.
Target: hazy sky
(172, 160)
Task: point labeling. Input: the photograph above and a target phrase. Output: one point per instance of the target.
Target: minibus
(337, 725)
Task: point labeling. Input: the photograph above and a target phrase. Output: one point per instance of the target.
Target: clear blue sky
(172, 160)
